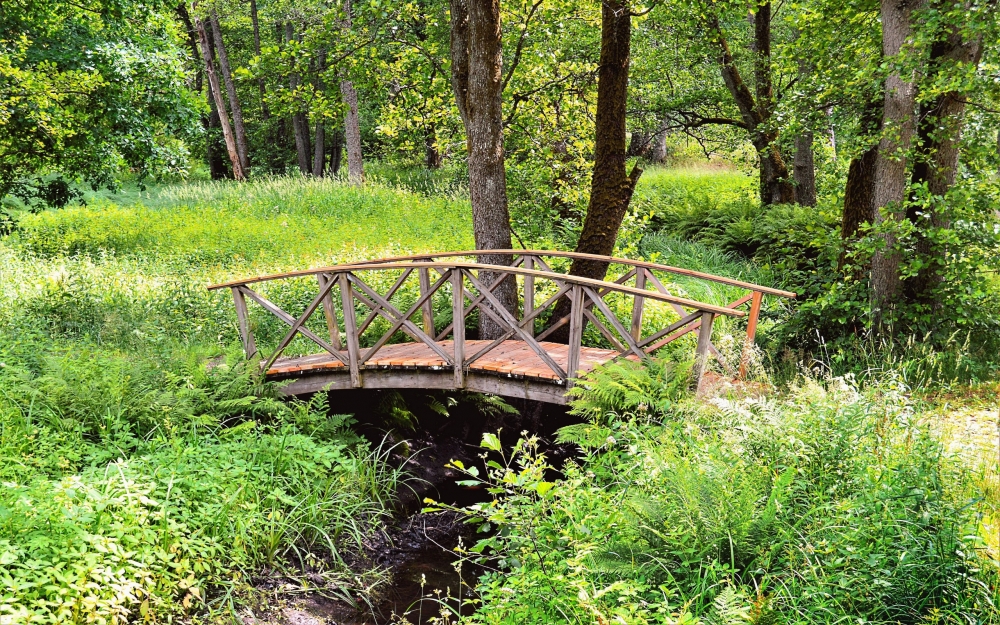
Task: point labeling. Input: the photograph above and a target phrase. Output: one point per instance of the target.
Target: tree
(897, 133)
(239, 128)
(478, 82)
(610, 188)
(205, 44)
(87, 92)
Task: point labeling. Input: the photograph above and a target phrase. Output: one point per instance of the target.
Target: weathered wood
(751, 333)
(520, 271)
(517, 354)
(350, 327)
(532, 343)
(701, 354)
(329, 310)
(640, 283)
(243, 322)
(288, 319)
(427, 309)
(539, 261)
(529, 292)
(613, 320)
(575, 331)
(398, 319)
(458, 332)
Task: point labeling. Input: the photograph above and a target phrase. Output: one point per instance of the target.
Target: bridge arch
(357, 352)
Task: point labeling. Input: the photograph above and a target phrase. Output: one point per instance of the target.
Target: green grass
(830, 504)
(137, 483)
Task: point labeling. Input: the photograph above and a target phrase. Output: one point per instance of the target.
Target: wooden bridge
(395, 325)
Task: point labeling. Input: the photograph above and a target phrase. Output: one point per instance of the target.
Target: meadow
(137, 484)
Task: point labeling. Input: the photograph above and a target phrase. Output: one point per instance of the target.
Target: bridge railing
(469, 293)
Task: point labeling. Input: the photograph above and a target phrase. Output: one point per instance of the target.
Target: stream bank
(427, 581)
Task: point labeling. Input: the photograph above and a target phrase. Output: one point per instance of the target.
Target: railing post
(575, 333)
(640, 283)
(704, 340)
(427, 309)
(350, 328)
(243, 322)
(751, 332)
(529, 294)
(458, 325)
(329, 310)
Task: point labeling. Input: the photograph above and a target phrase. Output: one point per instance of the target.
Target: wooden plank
(469, 267)
(243, 323)
(458, 327)
(751, 333)
(427, 309)
(529, 293)
(329, 310)
(640, 283)
(288, 319)
(513, 324)
(350, 328)
(701, 354)
(575, 331)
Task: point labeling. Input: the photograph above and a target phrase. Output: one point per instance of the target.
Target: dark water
(420, 550)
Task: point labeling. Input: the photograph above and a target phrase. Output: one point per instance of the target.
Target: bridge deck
(512, 364)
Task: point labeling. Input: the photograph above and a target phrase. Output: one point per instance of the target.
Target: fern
(729, 608)
(650, 388)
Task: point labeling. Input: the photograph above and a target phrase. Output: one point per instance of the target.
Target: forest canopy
(874, 126)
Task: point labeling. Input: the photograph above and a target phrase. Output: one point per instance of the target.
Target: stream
(418, 548)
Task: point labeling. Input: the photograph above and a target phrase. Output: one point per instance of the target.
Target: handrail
(551, 275)
(557, 254)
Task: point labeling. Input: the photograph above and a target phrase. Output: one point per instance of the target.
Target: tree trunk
(658, 150)
(336, 151)
(319, 145)
(352, 122)
(776, 186)
(432, 154)
(487, 172)
(300, 127)
(890, 165)
(460, 60)
(638, 144)
(938, 135)
(352, 131)
(214, 145)
(319, 151)
(859, 193)
(805, 171)
(265, 112)
(610, 188)
(213, 83)
(234, 102)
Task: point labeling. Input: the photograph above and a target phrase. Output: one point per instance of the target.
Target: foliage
(89, 93)
(827, 505)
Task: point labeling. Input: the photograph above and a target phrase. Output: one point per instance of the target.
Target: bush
(829, 505)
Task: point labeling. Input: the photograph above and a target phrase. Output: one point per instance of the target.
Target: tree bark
(487, 172)
(937, 150)
(352, 122)
(234, 103)
(658, 151)
(319, 151)
(610, 188)
(890, 165)
(300, 126)
(805, 170)
(460, 60)
(265, 112)
(215, 149)
(213, 82)
(336, 151)
(859, 193)
(352, 131)
(432, 154)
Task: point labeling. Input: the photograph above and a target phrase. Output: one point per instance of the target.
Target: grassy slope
(126, 490)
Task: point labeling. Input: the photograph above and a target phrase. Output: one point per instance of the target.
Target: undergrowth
(828, 505)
